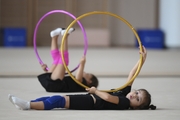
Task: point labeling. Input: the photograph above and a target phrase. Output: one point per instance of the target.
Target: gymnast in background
(54, 79)
(94, 100)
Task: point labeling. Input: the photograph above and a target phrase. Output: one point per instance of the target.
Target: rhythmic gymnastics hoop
(39, 22)
(128, 24)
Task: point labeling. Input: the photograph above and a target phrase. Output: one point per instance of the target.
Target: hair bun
(152, 107)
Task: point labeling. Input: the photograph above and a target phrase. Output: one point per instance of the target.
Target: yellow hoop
(120, 18)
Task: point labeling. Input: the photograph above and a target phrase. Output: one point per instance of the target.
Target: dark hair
(94, 82)
(147, 101)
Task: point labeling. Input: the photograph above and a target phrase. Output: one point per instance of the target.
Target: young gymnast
(94, 100)
(54, 79)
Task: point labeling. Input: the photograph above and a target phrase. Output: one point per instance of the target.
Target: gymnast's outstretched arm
(80, 70)
(134, 69)
(104, 95)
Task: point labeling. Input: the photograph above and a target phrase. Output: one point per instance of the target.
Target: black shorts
(49, 84)
(81, 102)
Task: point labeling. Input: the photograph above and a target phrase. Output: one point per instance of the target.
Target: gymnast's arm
(104, 95)
(133, 71)
(80, 70)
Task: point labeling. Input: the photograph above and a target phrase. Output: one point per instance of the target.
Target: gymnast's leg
(54, 48)
(47, 103)
(59, 70)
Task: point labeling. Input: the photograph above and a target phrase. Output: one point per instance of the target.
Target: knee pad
(55, 55)
(54, 102)
(66, 58)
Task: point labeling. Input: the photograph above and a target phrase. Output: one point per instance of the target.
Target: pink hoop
(67, 13)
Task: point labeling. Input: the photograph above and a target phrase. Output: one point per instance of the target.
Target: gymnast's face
(88, 77)
(136, 98)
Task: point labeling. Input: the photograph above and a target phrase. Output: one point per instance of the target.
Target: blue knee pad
(56, 101)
